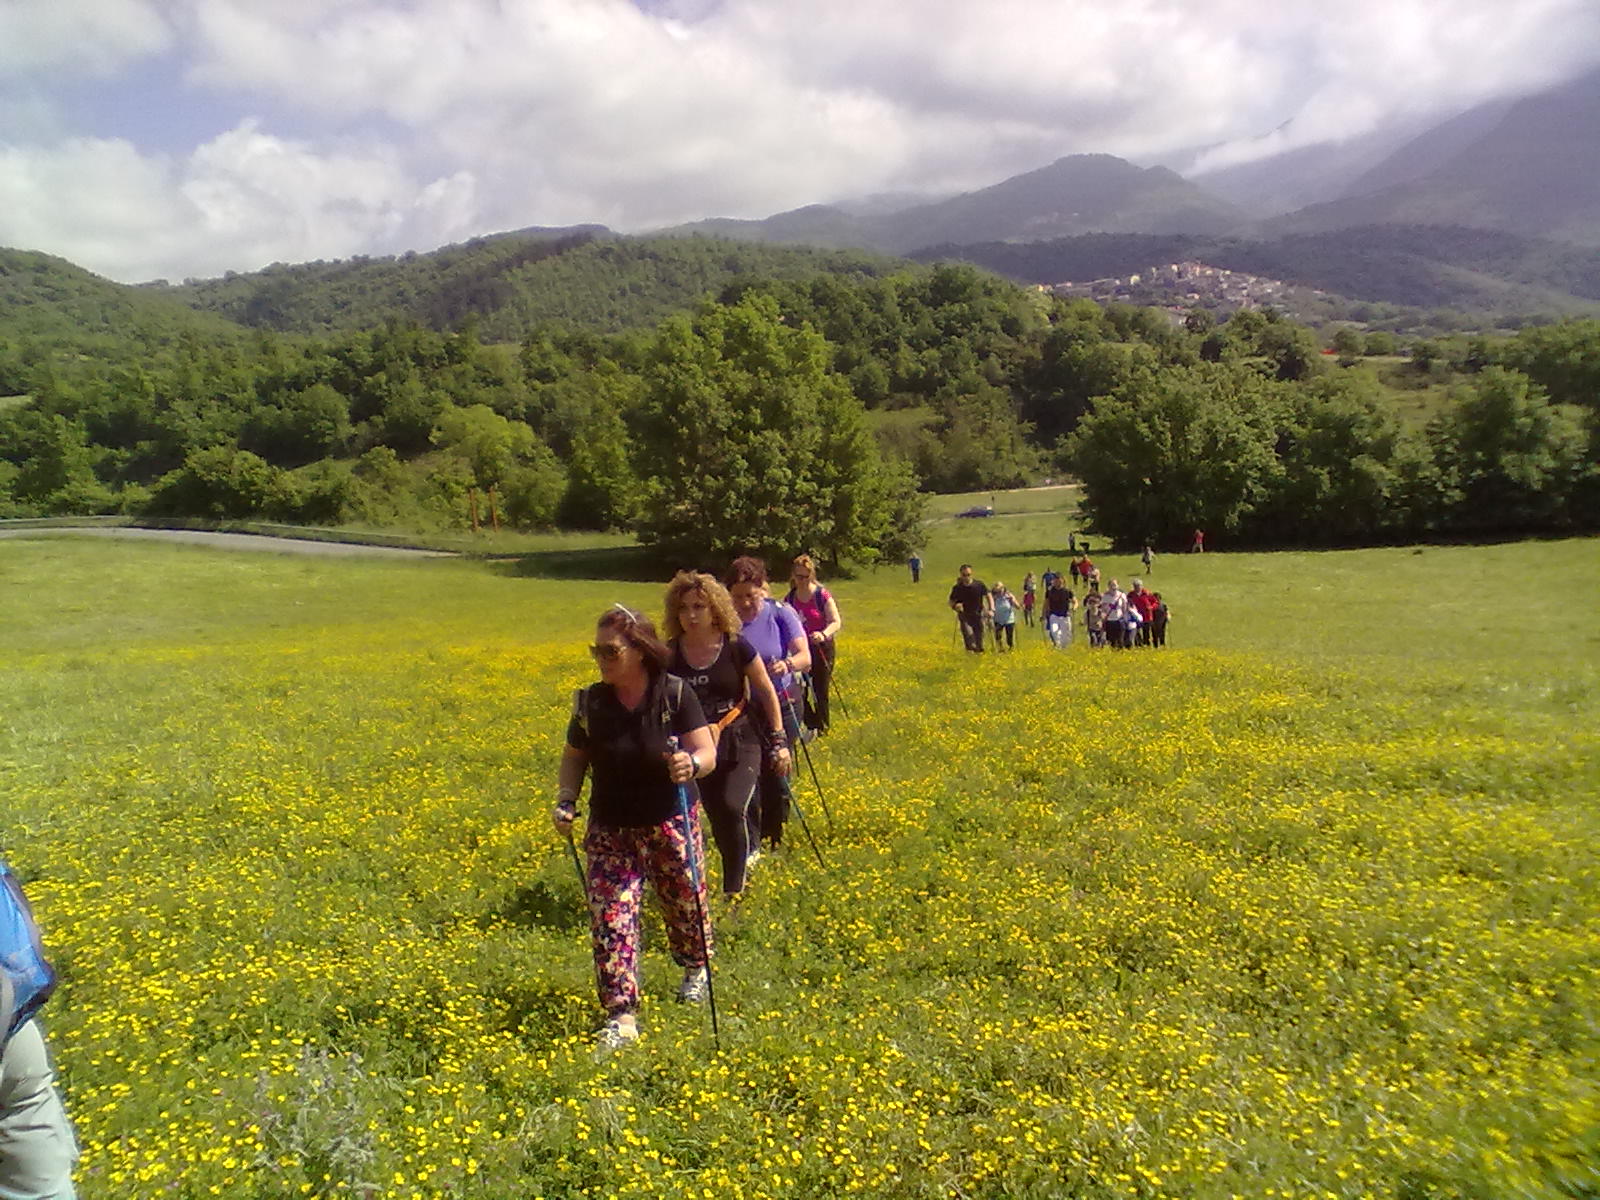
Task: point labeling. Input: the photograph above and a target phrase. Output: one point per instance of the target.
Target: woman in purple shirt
(776, 634)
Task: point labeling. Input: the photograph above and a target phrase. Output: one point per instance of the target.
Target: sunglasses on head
(607, 651)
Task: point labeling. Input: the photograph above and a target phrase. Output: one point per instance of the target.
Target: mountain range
(1529, 166)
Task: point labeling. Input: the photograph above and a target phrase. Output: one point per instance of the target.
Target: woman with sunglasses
(738, 700)
(622, 728)
(780, 639)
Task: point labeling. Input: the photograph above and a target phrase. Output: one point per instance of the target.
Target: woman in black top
(621, 728)
(739, 702)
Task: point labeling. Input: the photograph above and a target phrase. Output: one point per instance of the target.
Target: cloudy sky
(174, 138)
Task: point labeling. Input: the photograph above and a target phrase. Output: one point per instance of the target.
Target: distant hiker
(1058, 605)
(1143, 604)
(1004, 607)
(1072, 543)
(915, 563)
(1148, 557)
(620, 728)
(1114, 607)
(819, 614)
(971, 602)
(1198, 544)
(1028, 588)
(1159, 616)
(1094, 619)
(740, 706)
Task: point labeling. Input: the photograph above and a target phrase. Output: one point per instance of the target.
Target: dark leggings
(766, 818)
(727, 794)
(816, 704)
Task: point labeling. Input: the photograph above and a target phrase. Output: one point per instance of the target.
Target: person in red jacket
(1146, 603)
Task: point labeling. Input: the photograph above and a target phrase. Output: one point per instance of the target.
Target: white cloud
(89, 37)
(431, 119)
(239, 202)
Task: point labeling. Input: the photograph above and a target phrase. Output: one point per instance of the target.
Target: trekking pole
(699, 895)
(806, 750)
(834, 696)
(583, 880)
(804, 824)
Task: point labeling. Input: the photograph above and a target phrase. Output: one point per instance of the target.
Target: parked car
(977, 510)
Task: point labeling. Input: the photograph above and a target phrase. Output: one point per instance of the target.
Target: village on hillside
(1184, 285)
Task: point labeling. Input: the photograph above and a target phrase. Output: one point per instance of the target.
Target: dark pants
(765, 818)
(1009, 633)
(972, 631)
(1158, 633)
(728, 794)
(823, 655)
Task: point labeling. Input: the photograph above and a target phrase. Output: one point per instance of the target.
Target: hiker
(1003, 604)
(739, 704)
(819, 615)
(915, 563)
(775, 632)
(1029, 587)
(972, 604)
(619, 731)
(1058, 605)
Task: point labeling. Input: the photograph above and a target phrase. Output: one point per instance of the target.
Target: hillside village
(1184, 285)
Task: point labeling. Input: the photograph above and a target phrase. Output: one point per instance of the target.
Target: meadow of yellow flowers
(1196, 923)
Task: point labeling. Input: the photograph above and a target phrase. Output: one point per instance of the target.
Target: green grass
(1307, 901)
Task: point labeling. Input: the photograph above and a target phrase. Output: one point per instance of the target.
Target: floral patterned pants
(620, 860)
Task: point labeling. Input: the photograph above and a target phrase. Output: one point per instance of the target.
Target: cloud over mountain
(233, 133)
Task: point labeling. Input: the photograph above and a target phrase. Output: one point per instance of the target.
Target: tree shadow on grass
(1057, 552)
(632, 564)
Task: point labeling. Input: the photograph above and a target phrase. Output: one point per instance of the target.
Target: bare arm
(762, 691)
(835, 623)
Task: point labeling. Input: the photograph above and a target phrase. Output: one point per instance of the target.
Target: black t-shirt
(630, 786)
(1058, 602)
(721, 685)
(970, 597)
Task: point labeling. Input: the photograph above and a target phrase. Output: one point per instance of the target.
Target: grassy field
(1306, 905)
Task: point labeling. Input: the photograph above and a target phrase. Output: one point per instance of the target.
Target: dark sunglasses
(607, 651)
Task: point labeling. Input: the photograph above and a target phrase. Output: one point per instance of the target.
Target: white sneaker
(619, 1031)
(752, 858)
(693, 988)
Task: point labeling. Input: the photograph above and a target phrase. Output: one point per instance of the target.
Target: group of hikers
(703, 714)
(1119, 619)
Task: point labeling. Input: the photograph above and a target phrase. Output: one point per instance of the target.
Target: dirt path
(234, 541)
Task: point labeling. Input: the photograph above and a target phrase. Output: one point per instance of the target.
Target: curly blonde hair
(722, 614)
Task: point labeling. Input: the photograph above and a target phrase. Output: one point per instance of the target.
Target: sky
(149, 139)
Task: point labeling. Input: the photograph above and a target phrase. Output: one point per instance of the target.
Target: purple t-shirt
(770, 634)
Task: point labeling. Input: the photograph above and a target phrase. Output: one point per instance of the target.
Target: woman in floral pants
(622, 729)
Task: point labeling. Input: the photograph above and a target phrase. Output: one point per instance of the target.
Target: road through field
(236, 541)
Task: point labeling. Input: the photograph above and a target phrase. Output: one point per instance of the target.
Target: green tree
(505, 455)
(752, 442)
(1508, 458)
(1177, 449)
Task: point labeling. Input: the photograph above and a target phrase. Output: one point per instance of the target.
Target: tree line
(788, 413)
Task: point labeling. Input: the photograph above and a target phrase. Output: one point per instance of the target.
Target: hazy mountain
(1279, 183)
(1082, 193)
(1535, 170)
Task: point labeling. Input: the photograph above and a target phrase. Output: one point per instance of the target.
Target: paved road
(232, 541)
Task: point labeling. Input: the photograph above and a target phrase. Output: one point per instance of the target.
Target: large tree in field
(1177, 449)
(750, 441)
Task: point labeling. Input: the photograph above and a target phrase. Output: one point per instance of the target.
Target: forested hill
(1420, 265)
(586, 279)
(50, 300)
